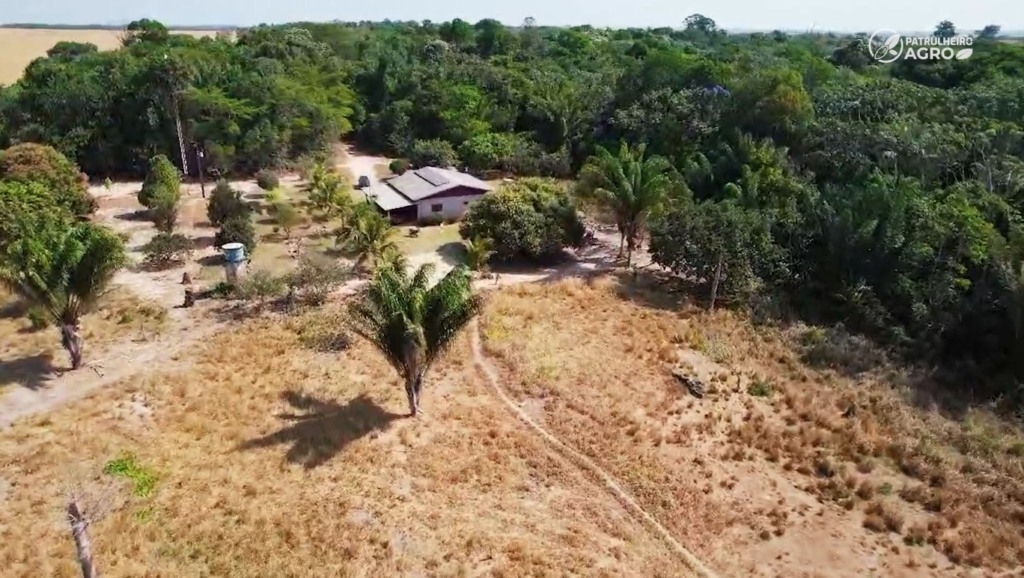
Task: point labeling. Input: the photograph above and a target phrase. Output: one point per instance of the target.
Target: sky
(791, 15)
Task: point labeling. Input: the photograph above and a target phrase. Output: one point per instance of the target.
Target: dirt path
(115, 364)
(360, 165)
(583, 461)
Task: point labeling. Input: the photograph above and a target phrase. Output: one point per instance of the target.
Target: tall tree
(629, 185)
(719, 244)
(945, 29)
(64, 271)
(412, 323)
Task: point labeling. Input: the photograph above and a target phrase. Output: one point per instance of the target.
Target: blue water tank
(233, 252)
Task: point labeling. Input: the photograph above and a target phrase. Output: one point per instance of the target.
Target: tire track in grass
(581, 460)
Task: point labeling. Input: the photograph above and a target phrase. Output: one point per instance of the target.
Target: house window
(436, 208)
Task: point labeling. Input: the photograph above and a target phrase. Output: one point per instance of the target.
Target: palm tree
(630, 185)
(478, 252)
(64, 271)
(368, 235)
(412, 323)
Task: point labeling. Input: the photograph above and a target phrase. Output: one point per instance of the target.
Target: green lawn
(430, 239)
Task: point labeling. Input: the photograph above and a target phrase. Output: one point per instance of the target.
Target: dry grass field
(781, 469)
(273, 460)
(20, 46)
(260, 454)
(26, 351)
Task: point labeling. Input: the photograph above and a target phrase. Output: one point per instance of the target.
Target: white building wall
(451, 207)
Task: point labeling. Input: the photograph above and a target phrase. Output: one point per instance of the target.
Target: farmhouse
(426, 193)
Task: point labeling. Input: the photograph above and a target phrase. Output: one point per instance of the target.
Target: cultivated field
(20, 46)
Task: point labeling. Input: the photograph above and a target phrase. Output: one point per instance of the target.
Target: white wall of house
(445, 207)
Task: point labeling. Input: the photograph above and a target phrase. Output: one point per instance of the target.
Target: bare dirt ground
(20, 46)
(354, 164)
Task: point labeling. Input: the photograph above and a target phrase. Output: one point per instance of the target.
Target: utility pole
(177, 119)
(181, 137)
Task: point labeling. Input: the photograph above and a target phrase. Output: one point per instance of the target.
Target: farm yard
(681, 332)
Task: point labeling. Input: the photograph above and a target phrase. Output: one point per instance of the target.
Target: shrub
(166, 249)
(237, 229)
(316, 277)
(225, 203)
(267, 180)
(162, 181)
(433, 153)
(530, 219)
(260, 285)
(287, 217)
(31, 162)
(38, 318)
(760, 388)
(398, 166)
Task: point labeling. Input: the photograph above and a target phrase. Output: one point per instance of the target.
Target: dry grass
(273, 460)
(595, 367)
(26, 351)
(269, 455)
(20, 46)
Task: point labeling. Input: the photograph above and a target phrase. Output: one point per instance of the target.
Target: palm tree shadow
(324, 428)
(31, 372)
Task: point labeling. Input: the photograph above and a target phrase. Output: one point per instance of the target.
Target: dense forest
(794, 174)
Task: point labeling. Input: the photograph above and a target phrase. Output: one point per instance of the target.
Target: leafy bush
(433, 153)
(161, 193)
(399, 166)
(316, 277)
(760, 388)
(225, 203)
(287, 217)
(65, 183)
(26, 207)
(237, 229)
(260, 285)
(267, 180)
(166, 249)
(38, 318)
(162, 181)
(530, 219)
